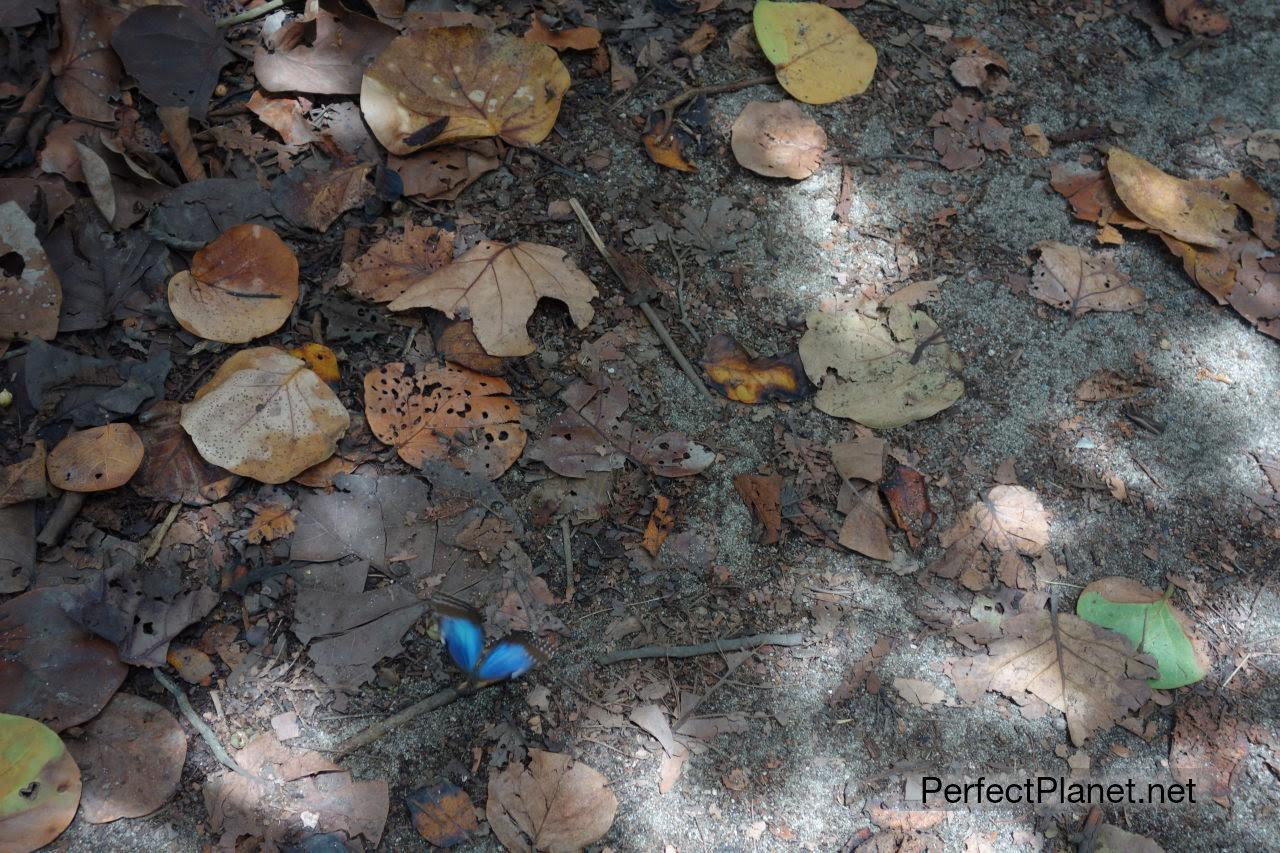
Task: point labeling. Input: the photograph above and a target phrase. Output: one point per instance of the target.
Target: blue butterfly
(462, 629)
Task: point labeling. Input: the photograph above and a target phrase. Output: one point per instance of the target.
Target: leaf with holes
(452, 84)
(266, 416)
(818, 55)
(498, 285)
(390, 266)
(1078, 282)
(30, 293)
(241, 286)
(39, 785)
(445, 413)
(96, 459)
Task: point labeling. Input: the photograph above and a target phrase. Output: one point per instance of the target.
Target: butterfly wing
(462, 629)
(510, 657)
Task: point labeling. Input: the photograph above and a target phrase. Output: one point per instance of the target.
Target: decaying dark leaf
(30, 293)
(442, 814)
(86, 70)
(738, 376)
(908, 497)
(174, 53)
(316, 198)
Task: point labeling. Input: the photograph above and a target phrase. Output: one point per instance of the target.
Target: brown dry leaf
(172, 470)
(763, 496)
(1194, 17)
(1090, 674)
(266, 416)
(907, 494)
(777, 139)
(394, 263)
(861, 458)
(1078, 282)
(316, 198)
(977, 66)
(665, 144)
(443, 173)
(1035, 137)
(963, 129)
(1192, 211)
(919, 693)
(1106, 385)
(1207, 744)
(286, 116)
(25, 480)
(269, 523)
(1249, 196)
(864, 529)
(322, 360)
(96, 459)
(1091, 196)
(324, 56)
(1011, 518)
(131, 757)
(660, 524)
(699, 40)
(743, 379)
(442, 814)
(492, 85)
(445, 414)
(498, 285)
(573, 38)
(241, 286)
(621, 75)
(457, 343)
(86, 70)
(193, 665)
(30, 292)
(323, 474)
(554, 803)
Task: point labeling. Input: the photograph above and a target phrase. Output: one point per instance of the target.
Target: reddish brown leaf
(457, 343)
(270, 522)
(666, 143)
(763, 496)
(315, 199)
(660, 524)
(554, 803)
(572, 38)
(390, 266)
(908, 496)
(443, 173)
(171, 469)
(442, 814)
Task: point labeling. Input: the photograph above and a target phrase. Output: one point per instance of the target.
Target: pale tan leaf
(778, 140)
(1192, 211)
(30, 292)
(553, 804)
(1078, 282)
(96, 459)
(1011, 518)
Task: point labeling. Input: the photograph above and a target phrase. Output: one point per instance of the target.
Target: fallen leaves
(818, 55)
(1191, 211)
(1008, 521)
(174, 53)
(443, 173)
(1195, 18)
(778, 140)
(1078, 282)
(1152, 625)
(442, 814)
(96, 459)
(39, 784)
(30, 292)
(24, 480)
(498, 286)
(86, 70)
(266, 416)
(883, 368)
(963, 131)
(453, 84)
(395, 263)
(743, 379)
(553, 803)
(570, 38)
(445, 414)
(1090, 674)
(172, 470)
(326, 55)
(241, 286)
(977, 66)
(315, 197)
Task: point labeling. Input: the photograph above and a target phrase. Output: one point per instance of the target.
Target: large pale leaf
(883, 369)
(1078, 282)
(1090, 674)
(96, 459)
(1192, 211)
(818, 55)
(776, 139)
(39, 785)
(555, 804)
(1150, 622)
(265, 415)
(498, 285)
(452, 84)
(445, 414)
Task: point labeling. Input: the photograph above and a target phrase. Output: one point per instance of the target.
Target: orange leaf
(443, 814)
(762, 495)
(395, 263)
(241, 286)
(753, 380)
(908, 497)
(457, 343)
(666, 145)
(445, 414)
(269, 523)
(95, 460)
(193, 665)
(575, 38)
(320, 359)
(660, 524)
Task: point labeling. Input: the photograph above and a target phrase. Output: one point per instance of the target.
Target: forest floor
(812, 755)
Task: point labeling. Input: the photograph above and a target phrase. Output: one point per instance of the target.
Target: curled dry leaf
(665, 142)
(1192, 211)
(907, 494)
(1092, 197)
(445, 414)
(394, 263)
(241, 286)
(131, 756)
(286, 116)
(882, 370)
(977, 66)
(1090, 674)
(30, 292)
(553, 803)
(331, 61)
(171, 468)
(778, 140)
(571, 38)
(269, 523)
(39, 785)
(497, 286)
(1078, 282)
(738, 376)
(96, 459)
(453, 84)
(818, 55)
(266, 416)
(661, 521)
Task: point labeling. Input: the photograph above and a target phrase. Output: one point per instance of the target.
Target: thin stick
(251, 14)
(566, 540)
(161, 529)
(645, 307)
(735, 645)
(684, 718)
(211, 739)
(669, 107)
(63, 514)
(380, 729)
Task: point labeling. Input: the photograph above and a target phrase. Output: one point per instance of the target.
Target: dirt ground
(814, 769)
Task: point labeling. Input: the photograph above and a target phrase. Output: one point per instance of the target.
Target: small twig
(1147, 471)
(735, 645)
(161, 529)
(566, 540)
(382, 728)
(211, 739)
(684, 718)
(645, 307)
(669, 107)
(63, 514)
(251, 14)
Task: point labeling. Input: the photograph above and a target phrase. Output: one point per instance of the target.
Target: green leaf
(39, 784)
(1150, 622)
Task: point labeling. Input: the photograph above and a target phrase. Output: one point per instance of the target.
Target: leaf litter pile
(565, 425)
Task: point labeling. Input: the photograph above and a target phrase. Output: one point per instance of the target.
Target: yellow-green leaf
(818, 55)
(39, 784)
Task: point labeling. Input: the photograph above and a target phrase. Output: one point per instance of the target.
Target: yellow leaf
(1192, 211)
(320, 359)
(818, 55)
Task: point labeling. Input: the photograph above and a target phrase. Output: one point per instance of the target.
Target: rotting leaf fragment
(743, 379)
